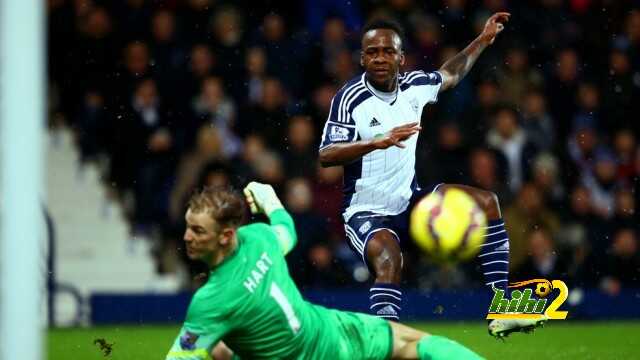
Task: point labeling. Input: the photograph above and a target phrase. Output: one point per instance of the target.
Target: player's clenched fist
(261, 198)
(396, 136)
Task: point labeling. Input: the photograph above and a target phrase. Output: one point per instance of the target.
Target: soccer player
(372, 131)
(251, 303)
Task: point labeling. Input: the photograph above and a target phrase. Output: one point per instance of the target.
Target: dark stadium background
(167, 96)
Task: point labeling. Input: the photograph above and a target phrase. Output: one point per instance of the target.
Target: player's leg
(409, 343)
(384, 258)
(493, 257)
(373, 238)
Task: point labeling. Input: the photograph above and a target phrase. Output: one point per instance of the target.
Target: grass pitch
(557, 340)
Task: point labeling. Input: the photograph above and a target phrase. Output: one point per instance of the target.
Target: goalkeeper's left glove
(262, 198)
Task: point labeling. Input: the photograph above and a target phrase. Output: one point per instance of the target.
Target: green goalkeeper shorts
(362, 336)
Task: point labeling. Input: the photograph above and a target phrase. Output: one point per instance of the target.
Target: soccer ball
(449, 226)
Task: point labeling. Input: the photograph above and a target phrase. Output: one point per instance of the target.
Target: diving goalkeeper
(251, 303)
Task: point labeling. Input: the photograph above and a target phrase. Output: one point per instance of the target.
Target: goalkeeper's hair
(384, 23)
(225, 205)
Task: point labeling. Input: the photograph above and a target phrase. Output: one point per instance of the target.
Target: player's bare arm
(344, 153)
(457, 67)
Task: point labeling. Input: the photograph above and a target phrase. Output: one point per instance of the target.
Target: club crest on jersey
(338, 134)
(365, 227)
(414, 105)
(374, 122)
(188, 341)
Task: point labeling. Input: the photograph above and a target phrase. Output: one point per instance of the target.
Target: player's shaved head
(383, 24)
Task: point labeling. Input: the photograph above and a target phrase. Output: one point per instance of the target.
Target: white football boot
(501, 328)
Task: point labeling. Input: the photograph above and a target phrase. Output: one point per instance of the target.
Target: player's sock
(386, 301)
(494, 255)
(433, 347)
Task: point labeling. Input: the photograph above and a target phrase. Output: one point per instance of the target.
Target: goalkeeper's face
(205, 239)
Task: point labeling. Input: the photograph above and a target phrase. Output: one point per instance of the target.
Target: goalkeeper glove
(262, 198)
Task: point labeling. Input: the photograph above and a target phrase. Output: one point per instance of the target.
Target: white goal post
(22, 105)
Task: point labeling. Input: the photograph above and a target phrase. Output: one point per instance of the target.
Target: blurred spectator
(214, 108)
(228, 32)
(133, 15)
(427, 38)
(317, 11)
(283, 58)
(136, 66)
(256, 73)
(243, 163)
(144, 159)
(269, 169)
(624, 144)
(529, 212)
(442, 163)
(300, 157)
(624, 215)
(602, 184)
(92, 127)
(89, 63)
(588, 110)
(477, 117)
(515, 77)
(545, 175)
(544, 260)
(562, 87)
(269, 117)
(325, 51)
(485, 173)
(508, 137)
(622, 266)
(581, 148)
(308, 258)
(196, 16)
(201, 65)
(169, 55)
(328, 198)
(537, 122)
(619, 89)
(208, 149)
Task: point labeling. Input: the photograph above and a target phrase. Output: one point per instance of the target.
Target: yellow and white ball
(449, 226)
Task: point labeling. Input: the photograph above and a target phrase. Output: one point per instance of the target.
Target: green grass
(558, 340)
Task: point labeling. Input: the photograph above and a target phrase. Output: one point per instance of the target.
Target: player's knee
(489, 203)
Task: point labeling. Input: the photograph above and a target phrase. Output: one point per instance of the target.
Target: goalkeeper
(251, 303)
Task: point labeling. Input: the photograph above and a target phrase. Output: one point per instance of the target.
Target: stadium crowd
(169, 95)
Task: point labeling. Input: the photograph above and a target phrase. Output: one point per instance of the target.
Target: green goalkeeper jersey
(252, 304)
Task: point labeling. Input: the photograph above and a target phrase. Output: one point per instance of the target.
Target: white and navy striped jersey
(381, 181)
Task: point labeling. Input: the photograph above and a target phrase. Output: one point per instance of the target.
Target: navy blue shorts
(362, 225)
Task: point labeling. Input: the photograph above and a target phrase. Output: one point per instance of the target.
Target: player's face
(382, 57)
(201, 239)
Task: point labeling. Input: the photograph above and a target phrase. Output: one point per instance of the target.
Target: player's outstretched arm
(458, 66)
(345, 153)
(263, 199)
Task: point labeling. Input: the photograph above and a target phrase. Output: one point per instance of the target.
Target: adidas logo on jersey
(387, 310)
(374, 122)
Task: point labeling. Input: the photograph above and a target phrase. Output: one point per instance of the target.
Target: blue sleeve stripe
(344, 116)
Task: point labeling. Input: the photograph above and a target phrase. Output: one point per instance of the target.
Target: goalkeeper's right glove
(262, 198)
